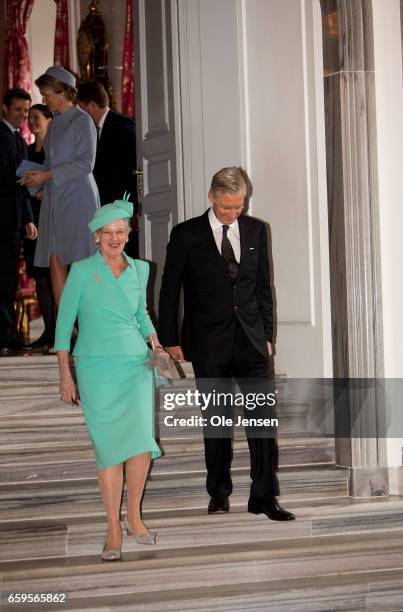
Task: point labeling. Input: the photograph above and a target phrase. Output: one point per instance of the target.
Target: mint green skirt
(117, 396)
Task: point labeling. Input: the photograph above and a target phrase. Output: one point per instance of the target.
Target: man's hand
(269, 349)
(30, 231)
(175, 352)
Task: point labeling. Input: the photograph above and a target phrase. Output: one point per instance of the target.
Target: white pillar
(389, 119)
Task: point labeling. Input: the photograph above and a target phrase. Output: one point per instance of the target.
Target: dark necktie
(20, 144)
(228, 253)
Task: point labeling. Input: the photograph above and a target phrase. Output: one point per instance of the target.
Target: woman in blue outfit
(107, 293)
(70, 194)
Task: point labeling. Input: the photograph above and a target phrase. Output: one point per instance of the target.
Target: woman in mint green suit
(107, 293)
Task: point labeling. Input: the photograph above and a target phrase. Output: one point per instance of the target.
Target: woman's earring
(96, 240)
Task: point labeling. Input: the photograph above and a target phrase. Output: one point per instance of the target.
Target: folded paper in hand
(28, 166)
(163, 376)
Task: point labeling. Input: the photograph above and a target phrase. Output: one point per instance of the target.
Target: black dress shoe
(12, 345)
(218, 504)
(270, 507)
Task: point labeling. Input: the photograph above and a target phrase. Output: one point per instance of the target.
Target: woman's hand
(159, 359)
(35, 178)
(68, 389)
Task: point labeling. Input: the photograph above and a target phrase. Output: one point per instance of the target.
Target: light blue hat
(61, 74)
(119, 209)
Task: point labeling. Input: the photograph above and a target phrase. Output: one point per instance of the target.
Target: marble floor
(339, 554)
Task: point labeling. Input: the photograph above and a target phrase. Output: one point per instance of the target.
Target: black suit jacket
(211, 299)
(15, 207)
(116, 158)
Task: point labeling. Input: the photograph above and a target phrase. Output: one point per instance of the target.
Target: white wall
(211, 95)
(389, 112)
(252, 94)
(284, 134)
(40, 37)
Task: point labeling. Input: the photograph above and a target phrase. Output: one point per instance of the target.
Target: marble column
(356, 301)
(401, 26)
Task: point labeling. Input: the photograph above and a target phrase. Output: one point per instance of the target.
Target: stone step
(28, 363)
(34, 367)
(34, 539)
(168, 493)
(292, 416)
(25, 400)
(373, 590)
(161, 573)
(44, 409)
(35, 438)
(71, 446)
(293, 419)
(38, 424)
(32, 455)
(179, 456)
(34, 374)
(293, 451)
(23, 389)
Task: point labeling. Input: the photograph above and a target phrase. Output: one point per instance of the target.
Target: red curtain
(128, 64)
(17, 68)
(61, 54)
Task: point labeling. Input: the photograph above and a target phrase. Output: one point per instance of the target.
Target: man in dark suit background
(220, 259)
(15, 209)
(115, 161)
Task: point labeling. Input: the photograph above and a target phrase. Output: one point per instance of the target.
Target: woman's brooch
(97, 279)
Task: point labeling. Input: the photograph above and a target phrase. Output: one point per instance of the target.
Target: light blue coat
(71, 197)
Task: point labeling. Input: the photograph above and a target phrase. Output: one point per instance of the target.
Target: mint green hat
(119, 209)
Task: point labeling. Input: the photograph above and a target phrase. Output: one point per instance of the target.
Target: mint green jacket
(109, 325)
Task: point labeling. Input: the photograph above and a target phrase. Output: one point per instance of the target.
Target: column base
(370, 482)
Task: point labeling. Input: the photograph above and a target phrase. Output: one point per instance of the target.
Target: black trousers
(250, 370)
(9, 251)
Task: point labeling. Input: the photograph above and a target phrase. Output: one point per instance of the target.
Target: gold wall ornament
(92, 48)
(25, 296)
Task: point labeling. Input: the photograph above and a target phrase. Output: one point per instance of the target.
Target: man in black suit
(115, 161)
(15, 209)
(220, 259)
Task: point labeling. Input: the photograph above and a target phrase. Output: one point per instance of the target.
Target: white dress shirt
(11, 127)
(233, 234)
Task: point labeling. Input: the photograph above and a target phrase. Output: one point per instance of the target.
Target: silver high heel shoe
(113, 554)
(141, 538)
